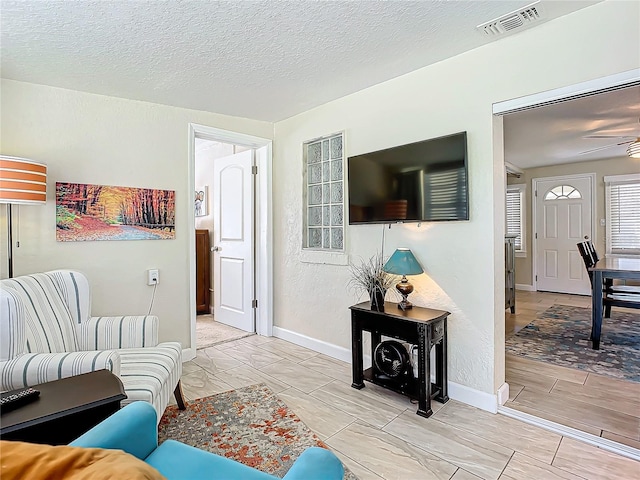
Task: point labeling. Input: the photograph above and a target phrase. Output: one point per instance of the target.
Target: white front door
(233, 262)
(563, 218)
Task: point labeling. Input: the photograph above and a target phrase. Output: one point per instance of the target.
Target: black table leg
(596, 308)
(424, 371)
(356, 353)
(441, 367)
(376, 338)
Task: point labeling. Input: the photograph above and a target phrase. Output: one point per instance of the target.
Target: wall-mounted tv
(425, 181)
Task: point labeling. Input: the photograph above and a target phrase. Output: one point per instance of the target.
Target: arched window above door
(562, 192)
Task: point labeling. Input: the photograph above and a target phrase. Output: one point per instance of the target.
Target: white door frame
(618, 80)
(534, 214)
(263, 226)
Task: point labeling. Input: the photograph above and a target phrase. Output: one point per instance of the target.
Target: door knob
(586, 237)
(216, 249)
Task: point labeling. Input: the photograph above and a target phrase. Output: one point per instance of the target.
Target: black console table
(419, 326)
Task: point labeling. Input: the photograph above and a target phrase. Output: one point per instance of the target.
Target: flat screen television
(425, 181)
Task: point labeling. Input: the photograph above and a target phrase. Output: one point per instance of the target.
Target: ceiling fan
(633, 150)
(611, 145)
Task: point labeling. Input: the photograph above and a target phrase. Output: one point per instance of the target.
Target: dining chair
(613, 295)
(590, 255)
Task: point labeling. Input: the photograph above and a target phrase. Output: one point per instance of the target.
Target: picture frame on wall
(88, 212)
(201, 198)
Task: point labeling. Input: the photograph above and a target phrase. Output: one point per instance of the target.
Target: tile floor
(377, 434)
(599, 405)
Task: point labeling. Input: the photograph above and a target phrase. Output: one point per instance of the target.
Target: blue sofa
(134, 430)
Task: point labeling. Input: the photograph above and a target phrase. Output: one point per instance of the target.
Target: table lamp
(402, 262)
(22, 182)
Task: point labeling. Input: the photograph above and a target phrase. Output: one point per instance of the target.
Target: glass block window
(562, 192)
(324, 194)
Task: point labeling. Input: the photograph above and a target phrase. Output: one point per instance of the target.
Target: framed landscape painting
(97, 212)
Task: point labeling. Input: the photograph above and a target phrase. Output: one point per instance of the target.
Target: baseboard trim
(503, 394)
(524, 286)
(188, 354)
(461, 393)
(329, 349)
(605, 444)
(475, 398)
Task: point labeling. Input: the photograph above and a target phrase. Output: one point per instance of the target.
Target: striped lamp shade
(22, 181)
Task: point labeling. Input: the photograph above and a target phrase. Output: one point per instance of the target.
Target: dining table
(624, 268)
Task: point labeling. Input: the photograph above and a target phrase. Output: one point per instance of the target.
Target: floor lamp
(22, 182)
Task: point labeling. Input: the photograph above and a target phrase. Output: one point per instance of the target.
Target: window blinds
(514, 216)
(624, 216)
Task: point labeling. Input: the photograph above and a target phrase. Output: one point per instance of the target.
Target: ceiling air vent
(518, 19)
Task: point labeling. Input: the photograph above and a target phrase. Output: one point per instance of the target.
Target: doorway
(224, 220)
(563, 216)
(230, 177)
(531, 399)
(234, 240)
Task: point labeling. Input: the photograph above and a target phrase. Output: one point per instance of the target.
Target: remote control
(17, 398)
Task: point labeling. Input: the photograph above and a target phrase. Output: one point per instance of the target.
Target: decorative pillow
(49, 327)
(20, 460)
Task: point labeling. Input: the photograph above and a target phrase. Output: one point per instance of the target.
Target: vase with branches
(369, 276)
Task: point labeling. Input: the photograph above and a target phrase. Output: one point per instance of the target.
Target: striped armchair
(48, 333)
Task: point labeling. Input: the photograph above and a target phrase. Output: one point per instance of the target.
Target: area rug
(250, 425)
(560, 336)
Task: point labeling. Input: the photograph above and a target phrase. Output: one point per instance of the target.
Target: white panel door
(563, 218)
(233, 269)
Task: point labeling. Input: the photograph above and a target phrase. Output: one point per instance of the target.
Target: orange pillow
(20, 460)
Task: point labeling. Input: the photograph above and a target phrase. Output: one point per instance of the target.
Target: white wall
(88, 138)
(463, 260)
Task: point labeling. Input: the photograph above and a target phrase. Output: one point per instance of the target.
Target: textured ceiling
(556, 133)
(265, 60)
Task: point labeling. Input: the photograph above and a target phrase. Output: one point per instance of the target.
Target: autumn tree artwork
(98, 212)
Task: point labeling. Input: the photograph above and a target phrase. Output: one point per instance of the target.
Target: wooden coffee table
(66, 409)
